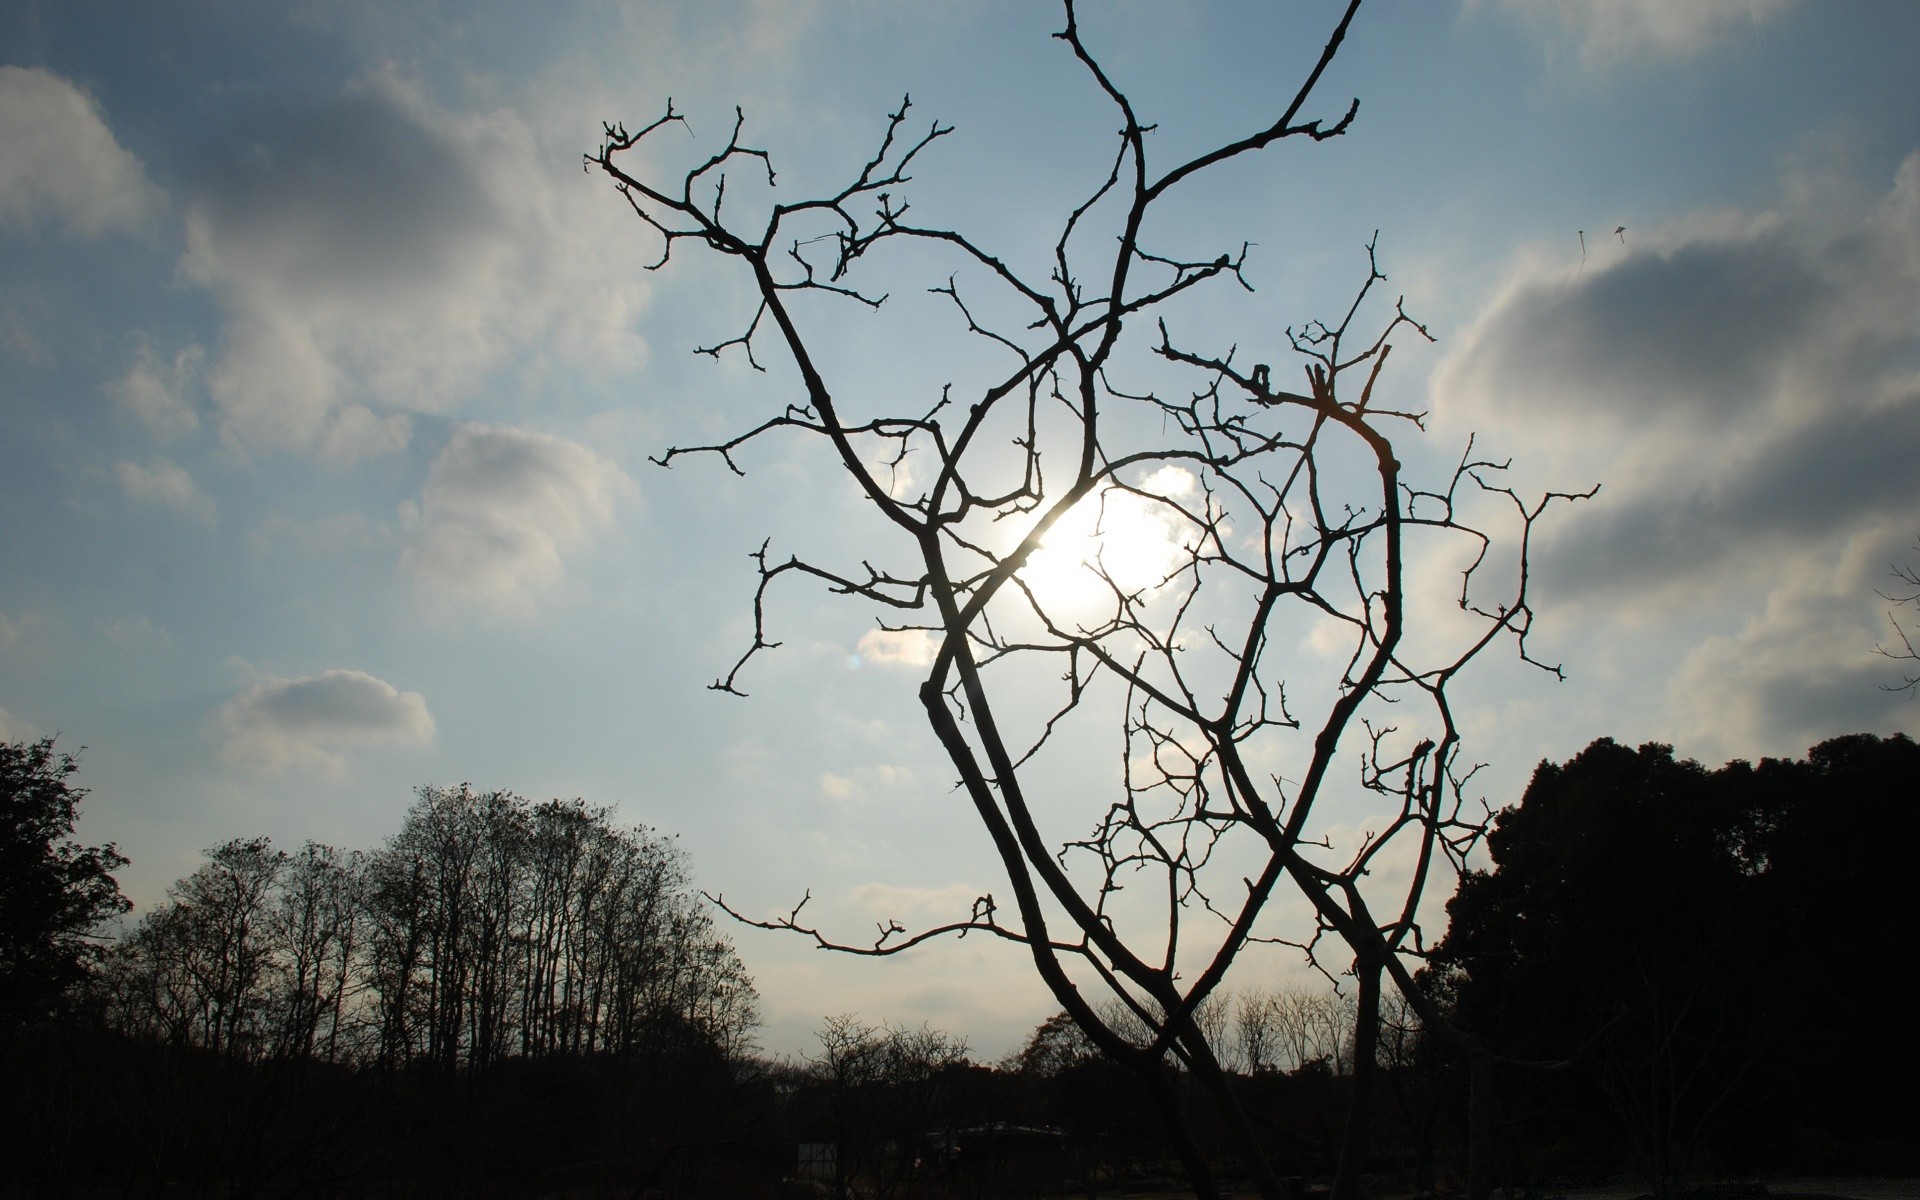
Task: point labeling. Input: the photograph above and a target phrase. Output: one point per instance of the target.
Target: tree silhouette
(1689, 942)
(54, 892)
(1261, 644)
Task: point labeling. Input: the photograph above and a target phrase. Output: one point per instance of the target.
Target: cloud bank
(307, 724)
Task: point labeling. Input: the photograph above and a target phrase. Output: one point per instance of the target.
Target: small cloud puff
(500, 509)
(864, 781)
(136, 634)
(62, 165)
(164, 485)
(925, 904)
(303, 724)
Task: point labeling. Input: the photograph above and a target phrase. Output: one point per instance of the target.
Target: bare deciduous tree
(1285, 1028)
(1238, 615)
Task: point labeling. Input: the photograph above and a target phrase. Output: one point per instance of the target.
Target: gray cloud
(1805, 668)
(1695, 332)
(62, 166)
(500, 511)
(352, 199)
(1808, 482)
(1738, 387)
(305, 723)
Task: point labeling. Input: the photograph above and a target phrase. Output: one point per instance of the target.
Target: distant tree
(1830, 838)
(315, 926)
(1260, 662)
(55, 893)
(1056, 1044)
(884, 1089)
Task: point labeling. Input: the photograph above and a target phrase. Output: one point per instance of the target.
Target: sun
(1113, 539)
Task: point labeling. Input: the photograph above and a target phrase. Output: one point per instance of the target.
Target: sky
(329, 382)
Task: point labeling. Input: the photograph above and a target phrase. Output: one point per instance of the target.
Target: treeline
(488, 926)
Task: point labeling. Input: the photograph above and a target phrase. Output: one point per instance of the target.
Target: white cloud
(898, 647)
(164, 484)
(62, 165)
(1745, 391)
(9, 631)
(501, 509)
(864, 781)
(158, 393)
(136, 634)
(377, 256)
(304, 724)
(1603, 33)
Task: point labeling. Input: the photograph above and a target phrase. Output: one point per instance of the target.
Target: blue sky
(328, 381)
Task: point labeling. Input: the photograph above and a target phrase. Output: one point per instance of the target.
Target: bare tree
(1254, 677)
